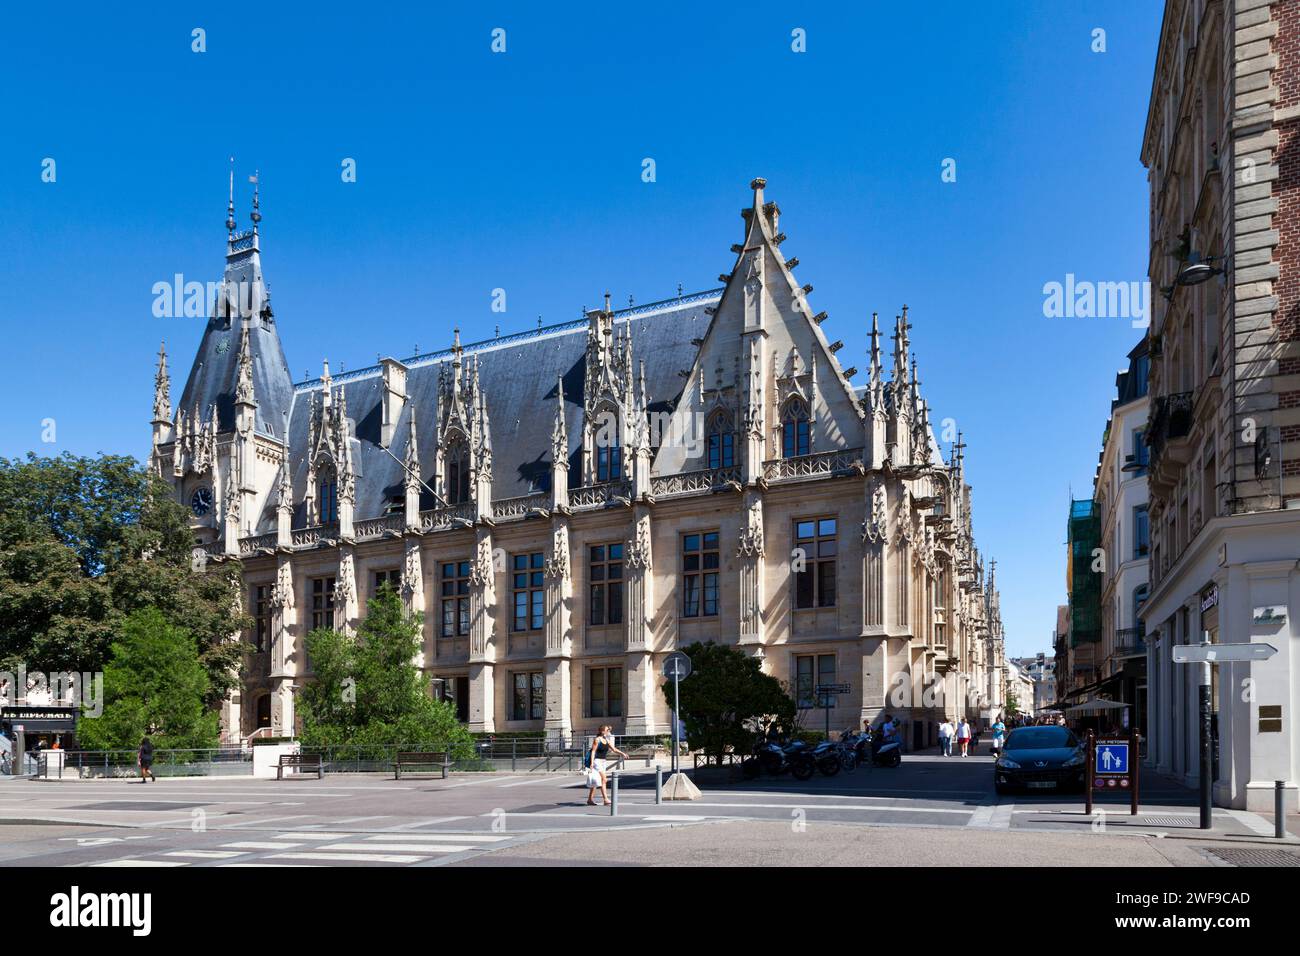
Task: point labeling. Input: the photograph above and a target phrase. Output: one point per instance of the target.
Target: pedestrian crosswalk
(319, 848)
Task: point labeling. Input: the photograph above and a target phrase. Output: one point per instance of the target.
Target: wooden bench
(303, 763)
(439, 761)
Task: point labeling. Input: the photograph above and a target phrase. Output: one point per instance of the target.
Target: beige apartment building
(566, 506)
(1120, 493)
(1221, 151)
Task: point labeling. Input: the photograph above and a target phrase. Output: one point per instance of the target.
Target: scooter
(886, 753)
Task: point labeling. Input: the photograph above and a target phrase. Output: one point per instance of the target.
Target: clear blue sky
(523, 171)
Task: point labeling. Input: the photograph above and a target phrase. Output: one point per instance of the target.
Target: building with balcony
(1120, 492)
(565, 507)
(1223, 162)
(1040, 671)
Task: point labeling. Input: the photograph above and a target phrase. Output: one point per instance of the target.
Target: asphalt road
(931, 810)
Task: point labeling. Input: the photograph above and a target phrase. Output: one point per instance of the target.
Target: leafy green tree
(367, 690)
(154, 686)
(727, 691)
(84, 543)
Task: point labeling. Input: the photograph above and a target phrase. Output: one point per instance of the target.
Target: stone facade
(1224, 433)
(566, 507)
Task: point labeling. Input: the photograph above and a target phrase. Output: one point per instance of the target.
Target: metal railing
(209, 762)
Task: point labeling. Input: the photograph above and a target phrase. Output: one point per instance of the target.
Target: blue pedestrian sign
(1112, 757)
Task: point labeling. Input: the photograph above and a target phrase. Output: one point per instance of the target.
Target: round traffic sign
(677, 665)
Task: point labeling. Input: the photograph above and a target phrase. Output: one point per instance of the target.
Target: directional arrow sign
(1221, 653)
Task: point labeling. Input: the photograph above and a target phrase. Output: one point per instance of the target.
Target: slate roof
(214, 374)
(518, 376)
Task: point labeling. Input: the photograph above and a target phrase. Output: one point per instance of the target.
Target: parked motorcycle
(872, 749)
(771, 756)
(826, 755)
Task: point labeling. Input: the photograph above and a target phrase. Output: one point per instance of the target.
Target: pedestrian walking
(601, 747)
(946, 730)
(963, 737)
(999, 733)
(145, 759)
(975, 732)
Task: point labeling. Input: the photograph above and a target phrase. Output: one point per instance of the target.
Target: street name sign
(1222, 653)
(823, 689)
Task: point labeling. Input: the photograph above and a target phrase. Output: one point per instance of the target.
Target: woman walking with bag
(601, 747)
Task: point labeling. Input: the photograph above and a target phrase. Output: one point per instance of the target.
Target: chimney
(394, 398)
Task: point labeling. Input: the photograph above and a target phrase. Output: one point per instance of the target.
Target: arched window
(329, 495)
(794, 429)
(458, 472)
(721, 450)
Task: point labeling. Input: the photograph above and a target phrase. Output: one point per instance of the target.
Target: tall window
(794, 429)
(457, 473)
(1139, 598)
(938, 589)
(529, 701)
(700, 574)
(606, 575)
(455, 598)
(389, 576)
(1141, 531)
(322, 603)
(814, 562)
(605, 692)
(329, 499)
(1141, 454)
(609, 463)
(261, 601)
(810, 671)
(722, 442)
(529, 587)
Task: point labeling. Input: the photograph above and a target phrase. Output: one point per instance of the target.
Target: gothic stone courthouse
(566, 506)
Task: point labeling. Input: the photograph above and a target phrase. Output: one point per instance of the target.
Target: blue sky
(522, 171)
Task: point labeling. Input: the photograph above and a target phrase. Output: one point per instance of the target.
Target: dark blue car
(1040, 758)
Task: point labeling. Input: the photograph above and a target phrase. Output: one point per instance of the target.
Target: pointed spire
(412, 458)
(256, 214)
(901, 348)
(162, 403)
(244, 383)
(285, 487)
(230, 206)
(559, 431)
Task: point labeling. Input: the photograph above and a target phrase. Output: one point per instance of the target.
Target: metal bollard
(1279, 809)
(613, 795)
(659, 785)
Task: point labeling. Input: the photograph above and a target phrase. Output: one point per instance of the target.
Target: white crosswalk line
(402, 828)
(205, 854)
(349, 857)
(444, 837)
(313, 836)
(272, 865)
(401, 847)
(141, 863)
(256, 845)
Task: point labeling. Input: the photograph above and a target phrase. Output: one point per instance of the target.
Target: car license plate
(1042, 784)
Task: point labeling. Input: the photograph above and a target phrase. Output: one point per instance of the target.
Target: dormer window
(458, 473)
(721, 442)
(794, 429)
(329, 499)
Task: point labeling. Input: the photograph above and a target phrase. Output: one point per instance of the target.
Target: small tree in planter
(726, 692)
